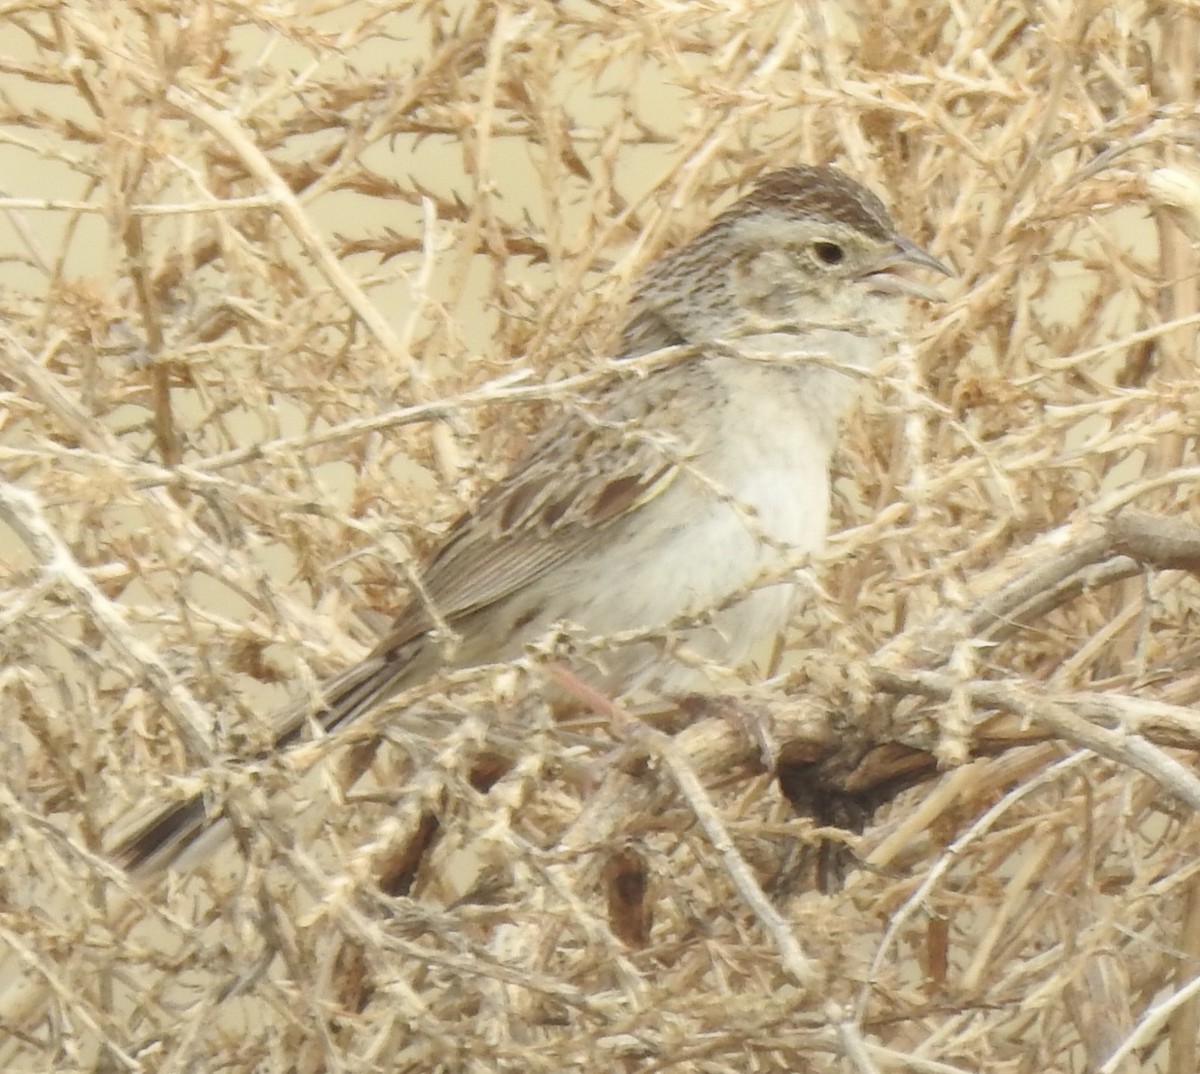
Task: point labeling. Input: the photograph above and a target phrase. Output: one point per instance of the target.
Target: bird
(677, 494)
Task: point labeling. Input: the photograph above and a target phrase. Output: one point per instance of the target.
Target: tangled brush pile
(283, 290)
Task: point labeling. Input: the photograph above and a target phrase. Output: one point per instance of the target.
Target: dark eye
(828, 253)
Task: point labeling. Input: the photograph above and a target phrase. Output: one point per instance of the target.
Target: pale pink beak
(888, 275)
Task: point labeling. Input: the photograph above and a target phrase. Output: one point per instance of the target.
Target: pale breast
(752, 499)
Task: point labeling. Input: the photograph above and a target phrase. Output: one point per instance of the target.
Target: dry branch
(283, 289)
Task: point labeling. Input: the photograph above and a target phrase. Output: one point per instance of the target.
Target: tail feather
(167, 834)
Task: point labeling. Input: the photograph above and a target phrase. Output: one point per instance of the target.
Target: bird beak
(888, 276)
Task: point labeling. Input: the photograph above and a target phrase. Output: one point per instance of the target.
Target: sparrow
(671, 499)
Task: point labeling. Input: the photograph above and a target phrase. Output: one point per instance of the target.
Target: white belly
(720, 537)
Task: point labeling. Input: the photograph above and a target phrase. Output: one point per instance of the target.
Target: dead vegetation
(284, 288)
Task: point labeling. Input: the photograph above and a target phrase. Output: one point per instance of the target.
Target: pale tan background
(452, 194)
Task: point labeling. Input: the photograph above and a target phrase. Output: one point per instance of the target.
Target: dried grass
(282, 291)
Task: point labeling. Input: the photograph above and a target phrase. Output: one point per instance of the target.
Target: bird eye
(828, 253)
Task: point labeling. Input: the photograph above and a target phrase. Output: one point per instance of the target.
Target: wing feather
(533, 520)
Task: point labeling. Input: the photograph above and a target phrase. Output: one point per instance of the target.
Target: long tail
(166, 835)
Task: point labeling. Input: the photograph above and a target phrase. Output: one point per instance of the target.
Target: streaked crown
(811, 191)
